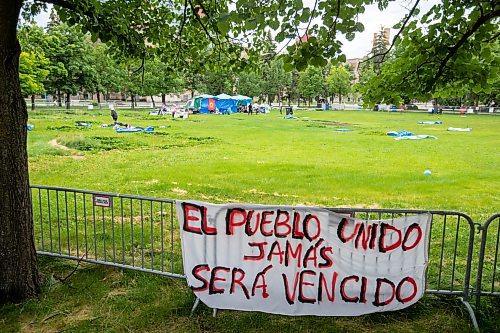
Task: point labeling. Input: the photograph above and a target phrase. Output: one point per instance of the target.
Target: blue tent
(202, 102)
(226, 103)
(223, 102)
(242, 100)
(204, 105)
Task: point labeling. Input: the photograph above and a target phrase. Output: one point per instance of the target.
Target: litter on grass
(133, 129)
(458, 129)
(79, 123)
(343, 130)
(29, 127)
(405, 135)
(416, 137)
(400, 133)
(430, 122)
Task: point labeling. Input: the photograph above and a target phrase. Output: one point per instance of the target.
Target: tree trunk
(32, 102)
(68, 101)
(163, 98)
(59, 98)
(99, 98)
(132, 101)
(340, 98)
(18, 264)
(153, 101)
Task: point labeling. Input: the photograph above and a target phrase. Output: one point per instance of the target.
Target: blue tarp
(242, 100)
(135, 129)
(226, 105)
(204, 106)
(400, 133)
(223, 105)
(430, 122)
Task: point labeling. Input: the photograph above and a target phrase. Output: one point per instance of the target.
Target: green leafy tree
(339, 81)
(311, 83)
(33, 65)
(72, 64)
(32, 74)
(249, 84)
(159, 80)
(292, 89)
(449, 47)
(275, 79)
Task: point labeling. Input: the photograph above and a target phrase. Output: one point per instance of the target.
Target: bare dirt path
(57, 145)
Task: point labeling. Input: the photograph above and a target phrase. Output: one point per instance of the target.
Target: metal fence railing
(142, 233)
(488, 275)
(111, 229)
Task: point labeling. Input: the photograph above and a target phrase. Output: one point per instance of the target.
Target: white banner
(301, 260)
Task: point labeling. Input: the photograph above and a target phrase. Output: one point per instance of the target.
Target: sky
(372, 19)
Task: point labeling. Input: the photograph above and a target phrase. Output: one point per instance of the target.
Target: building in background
(381, 39)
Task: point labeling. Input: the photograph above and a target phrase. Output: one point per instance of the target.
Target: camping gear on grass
(400, 133)
(416, 137)
(430, 122)
(133, 129)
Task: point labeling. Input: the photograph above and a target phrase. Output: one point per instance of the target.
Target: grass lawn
(257, 159)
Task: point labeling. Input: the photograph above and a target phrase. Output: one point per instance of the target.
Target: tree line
(61, 60)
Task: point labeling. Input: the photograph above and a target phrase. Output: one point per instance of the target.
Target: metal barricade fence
(112, 229)
(142, 233)
(488, 275)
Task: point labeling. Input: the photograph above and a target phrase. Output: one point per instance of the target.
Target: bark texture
(18, 265)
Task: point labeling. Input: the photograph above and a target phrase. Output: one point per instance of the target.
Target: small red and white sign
(102, 201)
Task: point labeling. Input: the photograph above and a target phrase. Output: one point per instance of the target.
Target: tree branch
(312, 15)
(334, 23)
(453, 50)
(182, 28)
(201, 22)
(106, 24)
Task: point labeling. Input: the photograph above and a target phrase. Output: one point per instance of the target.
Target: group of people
(248, 108)
(253, 108)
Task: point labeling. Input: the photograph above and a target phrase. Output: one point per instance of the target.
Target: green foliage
(311, 83)
(450, 46)
(451, 51)
(275, 79)
(32, 72)
(339, 81)
(249, 84)
(96, 143)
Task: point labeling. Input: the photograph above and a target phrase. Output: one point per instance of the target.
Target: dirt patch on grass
(274, 194)
(329, 123)
(55, 144)
(370, 206)
(79, 315)
(179, 191)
